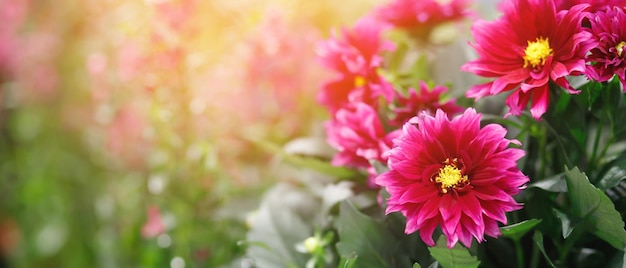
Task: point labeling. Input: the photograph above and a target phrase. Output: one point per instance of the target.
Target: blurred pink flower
(454, 174)
(355, 57)
(12, 15)
(130, 61)
(358, 134)
(608, 29)
(175, 14)
(525, 49)
(420, 17)
(422, 100)
(124, 136)
(37, 70)
(154, 224)
(277, 61)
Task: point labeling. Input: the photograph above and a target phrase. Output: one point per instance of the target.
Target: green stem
(534, 258)
(611, 139)
(569, 243)
(560, 143)
(519, 252)
(596, 142)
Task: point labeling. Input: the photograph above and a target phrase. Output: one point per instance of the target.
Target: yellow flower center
(450, 176)
(359, 81)
(620, 48)
(537, 52)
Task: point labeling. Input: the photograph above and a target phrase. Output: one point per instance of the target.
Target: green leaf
(347, 261)
(360, 235)
(417, 265)
(538, 238)
(595, 209)
(305, 162)
(566, 225)
(555, 183)
(518, 230)
(457, 256)
(278, 226)
(615, 173)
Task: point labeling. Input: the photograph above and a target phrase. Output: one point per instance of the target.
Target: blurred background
(128, 128)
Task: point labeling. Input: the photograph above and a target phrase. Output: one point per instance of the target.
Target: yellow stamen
(450, 176)
(537, 52)
(359, 81)
(620, 48)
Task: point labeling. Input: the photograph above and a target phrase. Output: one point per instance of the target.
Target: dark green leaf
(518, 230)
(596, 209)
(566, 225)
(457, 256)
(563, 101)
(615, 173)
(538, 238)
(360, 235)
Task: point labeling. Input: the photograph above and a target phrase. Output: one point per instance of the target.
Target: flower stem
(596, 142)
(534, 258)
(519, 252)
(568, 163)
(569, 243)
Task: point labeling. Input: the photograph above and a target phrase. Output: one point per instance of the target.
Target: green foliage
(457, 256)
(538, 239)
(362, 237)
(615, 173)
(518, 230)
(594, 210)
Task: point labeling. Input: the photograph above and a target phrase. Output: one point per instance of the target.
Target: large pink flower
(358, 134)
(608, 28)
(530, 45)
(420, 17)
(355, 57)
(422, 99)
(594, 5)
(454, 174)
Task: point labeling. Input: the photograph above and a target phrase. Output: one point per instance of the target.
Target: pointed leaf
(457, 256)
(538, 238)
(555, 183)
(614, 175)
(518, 230)
(596, 209)
(566, 225)
(347, 261)
(360, 235)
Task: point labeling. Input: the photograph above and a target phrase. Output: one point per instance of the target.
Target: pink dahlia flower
(454, 174)
(420, 17)
(422, 99)
(530, 45)
(355, 57)
(608, 29)
(358, 134)
(594, 5)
